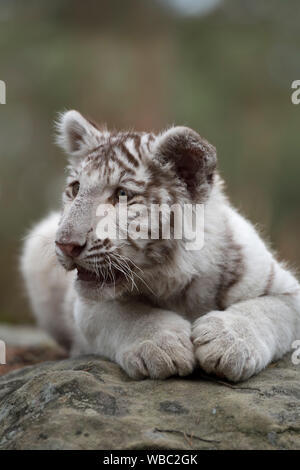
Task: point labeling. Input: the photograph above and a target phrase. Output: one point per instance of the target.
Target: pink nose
(70, 249)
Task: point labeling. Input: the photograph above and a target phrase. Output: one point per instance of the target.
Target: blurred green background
(224, 68)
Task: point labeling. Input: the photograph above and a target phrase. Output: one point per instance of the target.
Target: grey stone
(90, 403)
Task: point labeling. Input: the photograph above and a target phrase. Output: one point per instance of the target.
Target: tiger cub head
(117, 204)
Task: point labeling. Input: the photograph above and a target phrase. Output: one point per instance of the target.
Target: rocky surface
(89, 403)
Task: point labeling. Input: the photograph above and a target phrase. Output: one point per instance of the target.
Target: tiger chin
(152, 306)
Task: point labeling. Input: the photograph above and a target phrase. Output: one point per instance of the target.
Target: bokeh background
(224, 68)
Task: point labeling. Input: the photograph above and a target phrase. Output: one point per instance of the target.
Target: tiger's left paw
(226, 345)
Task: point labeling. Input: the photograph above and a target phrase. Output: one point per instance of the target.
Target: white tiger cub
(150, 305)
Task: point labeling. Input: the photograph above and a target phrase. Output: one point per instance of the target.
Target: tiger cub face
(115, 182)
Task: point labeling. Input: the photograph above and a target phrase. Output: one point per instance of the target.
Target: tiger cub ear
(76, 135)
(193, 158)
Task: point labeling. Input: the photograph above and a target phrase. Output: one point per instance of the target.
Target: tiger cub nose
(71, 249)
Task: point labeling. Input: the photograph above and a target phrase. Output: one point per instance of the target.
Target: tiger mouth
(109, 278)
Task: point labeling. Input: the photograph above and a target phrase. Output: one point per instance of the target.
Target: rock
(90, 403)
(21, 356)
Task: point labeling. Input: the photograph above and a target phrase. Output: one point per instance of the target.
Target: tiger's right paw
(169, 353)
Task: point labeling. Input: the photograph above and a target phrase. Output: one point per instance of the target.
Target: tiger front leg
(144, 341)
(242, 340)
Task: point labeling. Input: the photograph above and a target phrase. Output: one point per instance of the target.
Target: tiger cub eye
(75, 188)
(121, 193)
